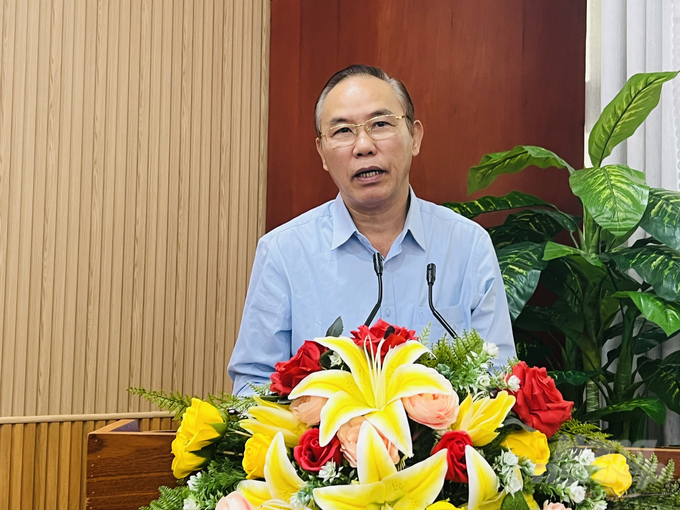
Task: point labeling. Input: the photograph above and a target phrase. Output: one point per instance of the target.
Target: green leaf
(336, 328)
(659, 311)
(651, 406)
(535, 225)
(662, 380)
(557, 251)
(625, 113)
(515, 501)
(512, 161)
(661, 216)
(616, 196)
(657, 265)
(572, 377)
(486, 204)
(521, 267)
(651, 337)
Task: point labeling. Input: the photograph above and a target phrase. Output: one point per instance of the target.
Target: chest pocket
(454, 315)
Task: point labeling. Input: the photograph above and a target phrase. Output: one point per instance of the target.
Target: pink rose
(308, 409)
(548, 506)
(348, 434)
(437, 411)
(234, 501)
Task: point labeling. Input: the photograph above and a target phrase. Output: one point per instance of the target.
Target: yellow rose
(481, 418)
(442, 505)
(201, 424)
(614, 473)
(531, 445)
(185, 461)
(255, 455)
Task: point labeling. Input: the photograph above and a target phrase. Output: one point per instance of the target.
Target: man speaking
(319, 265)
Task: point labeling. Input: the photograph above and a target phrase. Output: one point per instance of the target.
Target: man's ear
(417, 137)
(320, 151)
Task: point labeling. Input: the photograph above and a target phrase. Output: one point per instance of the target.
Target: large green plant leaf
(657, 265)
(509, 162)
(651, 406)
(663, 380)
(661, 216)
(556, 251)
(572, 377)
(486, 204)
(535, 225)
(659, 311)
(616, 196)
(625, 113)
(521, 267)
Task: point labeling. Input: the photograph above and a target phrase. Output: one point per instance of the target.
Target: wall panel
(484, 76)
(133, 139)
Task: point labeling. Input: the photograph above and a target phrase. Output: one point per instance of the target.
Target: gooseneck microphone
(431, 277)
(378, 268)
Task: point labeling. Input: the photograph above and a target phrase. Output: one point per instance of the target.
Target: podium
(125, 467)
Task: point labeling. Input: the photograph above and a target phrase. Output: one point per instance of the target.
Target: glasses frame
(355, 130)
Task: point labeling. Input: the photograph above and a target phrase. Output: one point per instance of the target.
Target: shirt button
(388, 312)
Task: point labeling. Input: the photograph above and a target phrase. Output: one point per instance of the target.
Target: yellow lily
(481, 418)
(380, 484)
(269, 418)
(281, 479)
(482, 482)
(372, 389)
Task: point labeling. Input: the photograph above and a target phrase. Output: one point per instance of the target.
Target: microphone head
(431, 273)
(378, 263)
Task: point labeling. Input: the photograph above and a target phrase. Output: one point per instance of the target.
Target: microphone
(378, 268)
(431, 277)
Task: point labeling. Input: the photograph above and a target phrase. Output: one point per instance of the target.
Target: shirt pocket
(453, 315)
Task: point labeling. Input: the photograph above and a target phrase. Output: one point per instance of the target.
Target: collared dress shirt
(318, 266)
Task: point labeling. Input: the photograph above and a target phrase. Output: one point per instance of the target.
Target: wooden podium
(125, 467)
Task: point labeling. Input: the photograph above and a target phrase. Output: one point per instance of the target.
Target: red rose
(371, 337)
(454, 441)
(312, 456)
(539, 403)
(289, 373)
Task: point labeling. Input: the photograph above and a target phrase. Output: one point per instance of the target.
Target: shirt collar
(344, 227)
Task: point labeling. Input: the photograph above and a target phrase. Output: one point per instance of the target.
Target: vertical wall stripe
(133, 141)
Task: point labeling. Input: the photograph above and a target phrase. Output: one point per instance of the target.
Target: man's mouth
(370, 172)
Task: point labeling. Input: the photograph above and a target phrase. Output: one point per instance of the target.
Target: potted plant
(597, 296)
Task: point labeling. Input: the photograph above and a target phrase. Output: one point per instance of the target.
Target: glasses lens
(341, 135)
(383, 127)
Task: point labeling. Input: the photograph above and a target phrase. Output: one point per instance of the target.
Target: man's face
(372, 176)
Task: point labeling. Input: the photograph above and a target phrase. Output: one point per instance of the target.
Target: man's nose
(364, 144)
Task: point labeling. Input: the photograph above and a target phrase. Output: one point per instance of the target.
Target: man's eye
(340, 131)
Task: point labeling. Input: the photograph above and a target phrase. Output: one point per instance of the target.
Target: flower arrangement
(381, 421)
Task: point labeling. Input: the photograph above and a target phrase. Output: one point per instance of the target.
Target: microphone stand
(431, 276)
(378, 268)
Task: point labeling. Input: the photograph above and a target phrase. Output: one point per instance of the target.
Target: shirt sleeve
(490, 315)
(265, 334)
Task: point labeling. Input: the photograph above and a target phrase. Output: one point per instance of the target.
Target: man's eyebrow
(377, 113)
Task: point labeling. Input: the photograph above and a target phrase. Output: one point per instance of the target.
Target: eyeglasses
(378, 128)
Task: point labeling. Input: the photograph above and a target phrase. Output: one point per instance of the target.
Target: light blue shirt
(319, 266)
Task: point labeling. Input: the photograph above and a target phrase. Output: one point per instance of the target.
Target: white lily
(380, 485)
(372, 389)
(281, 479)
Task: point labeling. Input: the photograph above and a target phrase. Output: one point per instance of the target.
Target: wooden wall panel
(133, 139)
(484, 76)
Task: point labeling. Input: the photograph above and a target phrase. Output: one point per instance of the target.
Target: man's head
(367, 135)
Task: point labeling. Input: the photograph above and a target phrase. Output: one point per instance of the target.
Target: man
(319, 265)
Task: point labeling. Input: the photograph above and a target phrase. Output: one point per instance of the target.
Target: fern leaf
(174, 402)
